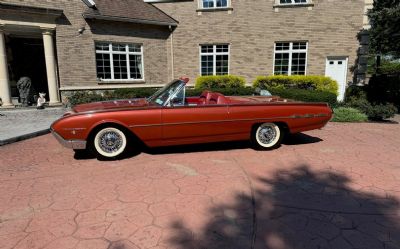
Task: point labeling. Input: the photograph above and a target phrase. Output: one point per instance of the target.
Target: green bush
(309, 82)
(384, 89)
(220, 81)
(128, 93)
(354, 91)
(81, 97)
(240, 91)
(305, 95)
(348, 114)
(373, 111)
(390, 68)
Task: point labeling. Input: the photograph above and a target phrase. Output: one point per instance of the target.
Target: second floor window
(119, 62)
(290, 58)
(293, 1)
(207, 4)
(214, 59)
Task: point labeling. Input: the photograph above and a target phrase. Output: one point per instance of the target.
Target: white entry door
(336, 68)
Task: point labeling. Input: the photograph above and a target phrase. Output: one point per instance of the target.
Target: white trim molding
(292, 4)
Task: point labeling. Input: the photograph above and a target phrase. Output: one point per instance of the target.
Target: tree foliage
(385, 27)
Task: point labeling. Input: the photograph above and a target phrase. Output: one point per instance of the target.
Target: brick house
(69, 45)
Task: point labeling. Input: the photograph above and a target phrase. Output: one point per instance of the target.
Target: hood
(110, 105)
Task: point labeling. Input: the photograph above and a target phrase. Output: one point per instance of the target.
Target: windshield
(166, 93)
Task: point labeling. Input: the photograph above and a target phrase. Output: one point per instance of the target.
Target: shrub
(390, 68)
(373, 111)
(305, 95)
(240, 91)
(381, 111)
(348, 114)
(310, 82)
(220, 81)
(81, 97)
(384, 89)
(354, 91)
(127, 93)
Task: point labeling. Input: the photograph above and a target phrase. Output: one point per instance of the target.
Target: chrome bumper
(71, 144)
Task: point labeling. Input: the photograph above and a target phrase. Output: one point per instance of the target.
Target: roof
(32, 10)
(135, 11)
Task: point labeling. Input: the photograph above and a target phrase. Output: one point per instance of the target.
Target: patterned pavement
(332, 188)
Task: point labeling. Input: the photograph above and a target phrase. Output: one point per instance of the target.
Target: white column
(5, 92)
(51, 66)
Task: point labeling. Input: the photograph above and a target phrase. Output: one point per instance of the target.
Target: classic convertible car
(168, 117)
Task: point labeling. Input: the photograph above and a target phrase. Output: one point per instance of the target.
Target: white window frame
(290, 52)
(127, 53)
(214, 55)
(200, 5)
(278, 2)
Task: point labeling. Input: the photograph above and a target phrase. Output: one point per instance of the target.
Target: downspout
(172, 53)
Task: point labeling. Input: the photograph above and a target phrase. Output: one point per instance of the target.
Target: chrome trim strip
(71, 144)
(74, 129)
(295, 116)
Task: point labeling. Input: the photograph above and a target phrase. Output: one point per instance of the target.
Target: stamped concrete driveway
(333, 188)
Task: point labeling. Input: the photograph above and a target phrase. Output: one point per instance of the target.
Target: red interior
(215, 98)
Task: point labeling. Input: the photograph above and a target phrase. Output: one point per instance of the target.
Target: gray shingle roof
(129, 11)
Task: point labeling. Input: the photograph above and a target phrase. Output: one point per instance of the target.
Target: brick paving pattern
(331, 188)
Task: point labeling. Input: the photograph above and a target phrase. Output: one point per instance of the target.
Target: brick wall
(76, 54)
(253, 27)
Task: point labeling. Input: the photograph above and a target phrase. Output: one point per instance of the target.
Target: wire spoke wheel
(110, 142)
(267, 135)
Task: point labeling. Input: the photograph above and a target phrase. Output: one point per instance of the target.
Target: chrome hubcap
(266, 134)
(110, 141)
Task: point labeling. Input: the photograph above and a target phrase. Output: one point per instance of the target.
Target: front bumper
(71, 144)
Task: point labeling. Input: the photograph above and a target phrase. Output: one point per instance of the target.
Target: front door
(194, 124)
(336, 68)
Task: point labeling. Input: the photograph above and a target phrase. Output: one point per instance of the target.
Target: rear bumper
(71, 144)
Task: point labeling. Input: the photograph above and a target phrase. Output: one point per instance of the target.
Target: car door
(192, 124)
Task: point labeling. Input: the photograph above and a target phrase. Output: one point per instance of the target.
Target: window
(119, 62)
(207, 4)
(293, 1)
(290, 58)
(214, 59)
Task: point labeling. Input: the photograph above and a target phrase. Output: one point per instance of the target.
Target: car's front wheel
(109, 142)
(267, 136)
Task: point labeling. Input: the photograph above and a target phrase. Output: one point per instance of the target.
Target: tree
(385, 27)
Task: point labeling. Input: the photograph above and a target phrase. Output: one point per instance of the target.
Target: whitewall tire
(267, 136)
(110, 142)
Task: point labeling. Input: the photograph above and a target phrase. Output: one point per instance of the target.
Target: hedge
(373, 111)
(348, 114)
(309, 82)
(220, 81)
(305, 95)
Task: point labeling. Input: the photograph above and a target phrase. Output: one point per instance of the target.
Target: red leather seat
(210, 98)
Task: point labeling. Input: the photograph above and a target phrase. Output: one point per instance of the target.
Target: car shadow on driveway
(298, 208)
(292, 139)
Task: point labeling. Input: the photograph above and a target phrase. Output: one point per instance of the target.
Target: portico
(16, 25)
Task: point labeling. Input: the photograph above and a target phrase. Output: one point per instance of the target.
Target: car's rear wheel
(267, 136)
(109, 142)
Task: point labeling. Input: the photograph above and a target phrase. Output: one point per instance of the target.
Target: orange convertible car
(170, 118)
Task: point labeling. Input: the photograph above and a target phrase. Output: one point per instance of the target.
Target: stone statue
(24, 86)
(41, 100)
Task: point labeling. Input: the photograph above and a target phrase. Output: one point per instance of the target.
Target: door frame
(346, 59)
